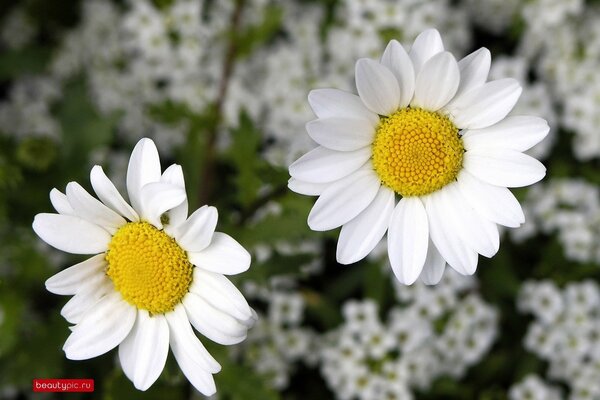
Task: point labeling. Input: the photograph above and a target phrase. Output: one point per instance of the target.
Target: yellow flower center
(416, 152)
(148, 267)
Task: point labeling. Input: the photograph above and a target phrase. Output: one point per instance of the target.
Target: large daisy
(425, 152)
(155, 271)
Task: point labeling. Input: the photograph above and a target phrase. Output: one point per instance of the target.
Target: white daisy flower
(433, 133)
(155, 271)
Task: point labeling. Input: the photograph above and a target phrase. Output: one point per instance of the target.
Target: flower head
(155, 271)
(426, 153)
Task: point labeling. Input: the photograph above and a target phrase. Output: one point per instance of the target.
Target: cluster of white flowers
(277, 342)
(27, 111)
(437, 331)
(17, 29)
(566, 333)
(569, 207)
(532, 387)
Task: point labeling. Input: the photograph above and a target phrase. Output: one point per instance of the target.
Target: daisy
(425, 152)
(155, 271)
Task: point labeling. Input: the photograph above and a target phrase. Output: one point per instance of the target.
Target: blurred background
(221, 86)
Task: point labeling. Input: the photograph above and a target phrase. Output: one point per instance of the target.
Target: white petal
(518, 133)
(219, 292)
(495, 203)
(224, 256)
(212, 323)
(71, 234)
(306, 188)
(143, 168)
(196, 233)
(437, 82)
(396, 59)
(184, 341)
(144, 352)
(434, 267)
(91, 209)
(158, 198)
(343, 200)
(323, 165)
(448, 242)
(479, 233)
(377, 87)
(108, 193)
(60, 202)
(408, 238)
(360, 236)
(88, 294)
(331, 103)
(341, 134)
(485, 105)
(426, 45)
(103, 328)
(67, 281)
(503, 167)
(174, 175)
(474, 70)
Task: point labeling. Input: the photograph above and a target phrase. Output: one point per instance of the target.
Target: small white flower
(433, 132)
(155, 271)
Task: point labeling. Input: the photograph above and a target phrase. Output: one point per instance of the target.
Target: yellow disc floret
(148, 268)
(416, 152)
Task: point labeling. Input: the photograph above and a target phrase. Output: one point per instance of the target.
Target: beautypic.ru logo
(63, 385)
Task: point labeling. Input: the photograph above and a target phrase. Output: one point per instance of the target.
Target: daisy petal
(91, 209)
(360, 236)
(224, 255)
(71, 234)
(323, 165)
(88, 294)
(343, 200)
(197, 231)
(485, 105)
(306, 188)
(341, 134)
(396, 59)
(408, 238)
(108, 193)
(220, 293)
(443, 235)
(60, 202)
(143, 168)
(502, 167)
(103, 328)
(332, 103)
(183, 339)
(377, 87)
(158, 198)
(474, 70)
(195, 362)
(437, 82)
(174, 175)
(147, 347)
(426, 45)
(479, 233)
(67, 281)
(518, 133)
(212, 323)
(495, 203)
(434, 267)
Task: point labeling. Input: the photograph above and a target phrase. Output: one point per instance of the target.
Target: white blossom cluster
(436, 331)
(278, 341)
(532, 387)
(17, 29)
(565, 332)
(571, 209)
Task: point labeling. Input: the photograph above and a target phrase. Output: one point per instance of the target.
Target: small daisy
(155, 271)
(425, 152)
